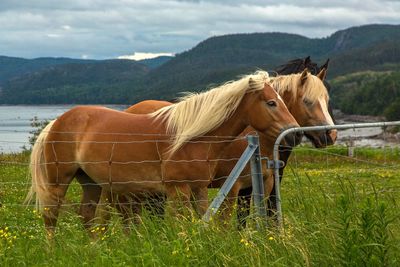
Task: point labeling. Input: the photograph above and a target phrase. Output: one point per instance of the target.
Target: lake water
(15, 123)
(15, 126)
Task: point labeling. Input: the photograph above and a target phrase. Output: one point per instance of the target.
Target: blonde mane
(198, 113)
(313, 88)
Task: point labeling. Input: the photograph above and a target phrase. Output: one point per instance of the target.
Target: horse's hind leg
(52, 198)
(103, 211)
(51, 206)
(90, 198)
(155, 204)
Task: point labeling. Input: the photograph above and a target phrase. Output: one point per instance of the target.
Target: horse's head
(268, 114)
(308, 101)
(300, 64)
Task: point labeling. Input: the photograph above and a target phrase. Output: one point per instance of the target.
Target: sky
(136, 29)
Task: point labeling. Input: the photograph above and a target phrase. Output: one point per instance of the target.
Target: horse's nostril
(333, 135)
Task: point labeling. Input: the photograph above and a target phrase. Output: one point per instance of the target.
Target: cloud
(66, 27)
(108, 29)
(140, 55)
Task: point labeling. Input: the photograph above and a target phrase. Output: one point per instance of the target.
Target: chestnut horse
(291, 67)
(306, 98)
(172, 151)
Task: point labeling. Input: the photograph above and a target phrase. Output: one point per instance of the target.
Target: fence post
(257, 178)
(350, 148)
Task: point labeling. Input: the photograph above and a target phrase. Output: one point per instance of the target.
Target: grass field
(337, 212)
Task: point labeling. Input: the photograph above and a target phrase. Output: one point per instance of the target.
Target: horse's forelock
(313, 88)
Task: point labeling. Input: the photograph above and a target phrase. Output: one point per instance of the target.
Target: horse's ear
(322, 74)
(307, 61)
(326, 64)
(304, 76)
(252, 83)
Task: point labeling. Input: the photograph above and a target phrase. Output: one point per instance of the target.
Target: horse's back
(104, 142)
(87, 120)
(147, 106)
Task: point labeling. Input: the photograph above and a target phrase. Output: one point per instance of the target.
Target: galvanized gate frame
(252, 154)
(312, 128)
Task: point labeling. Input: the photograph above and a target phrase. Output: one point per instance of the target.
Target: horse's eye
(307, 102)
(272, 103)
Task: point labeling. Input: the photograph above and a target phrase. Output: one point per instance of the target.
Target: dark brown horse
(172, 151)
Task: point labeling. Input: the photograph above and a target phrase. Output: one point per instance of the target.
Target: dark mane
(299, 64)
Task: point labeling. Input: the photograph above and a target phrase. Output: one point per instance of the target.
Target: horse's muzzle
(293, 139)
(323, 139)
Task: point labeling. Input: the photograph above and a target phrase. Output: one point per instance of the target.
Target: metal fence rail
(303, 130)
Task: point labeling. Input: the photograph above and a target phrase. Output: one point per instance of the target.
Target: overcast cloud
(109, 28)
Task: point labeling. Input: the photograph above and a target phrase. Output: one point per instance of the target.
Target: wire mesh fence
(15, 178)
(312, 174)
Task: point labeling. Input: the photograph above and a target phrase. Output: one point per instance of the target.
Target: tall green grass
(337, 212)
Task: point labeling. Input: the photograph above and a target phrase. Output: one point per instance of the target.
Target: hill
(90, 82)
(11, 67)
(215, 60)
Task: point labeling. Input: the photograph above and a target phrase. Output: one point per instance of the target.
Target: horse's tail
(38, 170)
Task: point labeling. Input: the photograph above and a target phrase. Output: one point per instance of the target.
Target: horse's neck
(228, 131)
(266, 145)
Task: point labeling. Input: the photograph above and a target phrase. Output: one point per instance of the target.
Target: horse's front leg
(244, 203)
(269, 191)
(90, 198)
(178, 199)
(229, 203)
(130, 207)
(200, 200)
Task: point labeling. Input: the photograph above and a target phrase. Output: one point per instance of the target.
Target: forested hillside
(366, 48)
(153, 63)
(368, 93)
(221, 58)
(12, 67)
(92, 82)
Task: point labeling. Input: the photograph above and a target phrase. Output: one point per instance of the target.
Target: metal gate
(303, 130)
